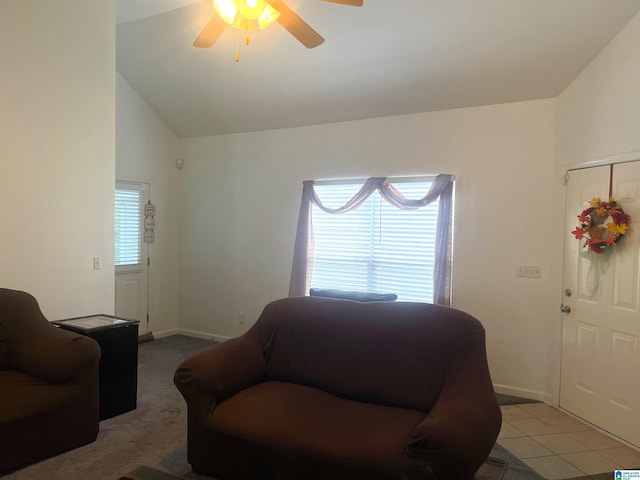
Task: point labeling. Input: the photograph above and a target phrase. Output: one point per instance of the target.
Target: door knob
(565, 308)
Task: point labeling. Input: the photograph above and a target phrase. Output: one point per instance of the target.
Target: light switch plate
(529, 271)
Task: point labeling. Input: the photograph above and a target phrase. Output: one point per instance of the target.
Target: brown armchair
(48, 384)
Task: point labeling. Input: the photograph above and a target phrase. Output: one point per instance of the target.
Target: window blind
(376, 247)
(128, 228)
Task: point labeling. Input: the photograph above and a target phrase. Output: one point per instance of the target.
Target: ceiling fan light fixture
(261, 14)
(245, 14)
(250, 9)
(242, 23)
(268, 17)
(226, 10)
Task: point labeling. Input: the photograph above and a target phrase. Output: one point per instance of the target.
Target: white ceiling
(385, 58)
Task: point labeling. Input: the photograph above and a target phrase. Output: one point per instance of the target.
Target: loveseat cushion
(305, 429)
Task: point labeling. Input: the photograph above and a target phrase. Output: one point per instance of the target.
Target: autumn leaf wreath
(602, 224)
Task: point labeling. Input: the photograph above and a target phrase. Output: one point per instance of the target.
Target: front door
(600, 353)
(131, 253)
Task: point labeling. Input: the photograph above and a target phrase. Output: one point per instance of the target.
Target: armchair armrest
(459, 432)
(55, 355)
(215, 374)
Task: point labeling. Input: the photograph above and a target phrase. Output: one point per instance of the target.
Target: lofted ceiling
(388, 57)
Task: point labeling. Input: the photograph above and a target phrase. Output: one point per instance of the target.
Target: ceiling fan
(249, 14)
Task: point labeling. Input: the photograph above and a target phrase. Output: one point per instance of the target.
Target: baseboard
(190, 333)
(551, 400)
(520, 392)
(206, 335)
(165, 333)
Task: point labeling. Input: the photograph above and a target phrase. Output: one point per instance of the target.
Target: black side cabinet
(118, 340)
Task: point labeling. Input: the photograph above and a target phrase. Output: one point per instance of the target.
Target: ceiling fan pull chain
(247, 41)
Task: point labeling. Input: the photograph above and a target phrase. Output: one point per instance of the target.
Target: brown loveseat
(334, 389)
(48, 385)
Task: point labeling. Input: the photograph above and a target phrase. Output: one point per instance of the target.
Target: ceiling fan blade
(353, 3)
(296, 26)
(210, 33)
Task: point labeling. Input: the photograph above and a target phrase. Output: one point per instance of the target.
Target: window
(129, 202)
(406, 251)
(376, 247)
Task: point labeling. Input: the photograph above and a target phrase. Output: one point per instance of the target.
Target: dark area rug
(148, 473)
(516, 469)
(493, 469)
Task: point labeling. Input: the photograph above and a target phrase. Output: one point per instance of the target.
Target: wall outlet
(529, 271)
(241, 319)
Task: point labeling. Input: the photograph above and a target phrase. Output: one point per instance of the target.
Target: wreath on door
(602, 225)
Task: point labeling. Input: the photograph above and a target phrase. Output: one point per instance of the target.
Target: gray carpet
(148, 473)
(153, 437)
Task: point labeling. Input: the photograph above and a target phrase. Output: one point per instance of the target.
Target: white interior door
(131, 253)
(600, 352)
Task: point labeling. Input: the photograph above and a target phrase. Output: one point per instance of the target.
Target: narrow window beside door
(128, 229)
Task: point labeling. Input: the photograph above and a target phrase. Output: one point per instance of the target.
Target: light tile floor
(558, 446)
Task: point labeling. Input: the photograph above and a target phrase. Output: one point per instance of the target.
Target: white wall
(242, 194)
(57, 152)
(146, 151)
(599, 112)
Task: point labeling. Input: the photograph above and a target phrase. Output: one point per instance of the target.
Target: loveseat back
(395, 354)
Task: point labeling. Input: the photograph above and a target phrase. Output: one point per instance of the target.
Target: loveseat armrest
(216, 373)
(459, 432)
(56, 355)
